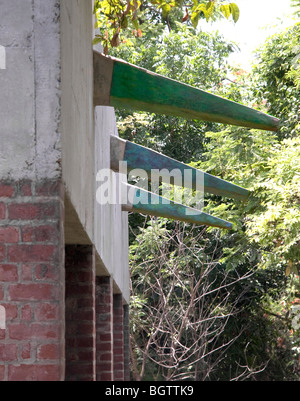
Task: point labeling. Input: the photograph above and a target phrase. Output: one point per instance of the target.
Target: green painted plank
(154, 205)
(136, 88)
(138, 156)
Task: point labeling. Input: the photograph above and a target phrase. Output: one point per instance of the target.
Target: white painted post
(2, 318)
(2, 58)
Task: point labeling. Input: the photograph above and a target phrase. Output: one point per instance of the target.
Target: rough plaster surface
(77, 108)
(30, 90)
(47, 128)
(86, 149)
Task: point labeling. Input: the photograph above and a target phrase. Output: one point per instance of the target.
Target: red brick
(80, 368)
(106, 376)
(26, 273)
(6, 191)
(33, 331)
(86, 355)
(25, 188)
(2, 334)
(105, 337)
(51, 188)
(2, 211)
(79, 289)
(2, 253)
(118, 359)
(1, 293)
(48, 352)
(85, 342)
(85, 329)
(46, 272)
(104, 309)
(26, 313)
(33, 292)
(47, 312)
(81, 316)
(33, 373)
(119, 376)
(28, 234)
(118, 336)
(8, 352)
(8, 273)
(33, 211)
(31, 253)
(2, 373)
(105, 346)
(118, 345)
(85, 302)
(46, 233)
(11, 311)
(26, 351)
(106, 357)
(9, 234)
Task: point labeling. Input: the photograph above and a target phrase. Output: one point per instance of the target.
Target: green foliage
(196, 59)
(265, 238)
(115, 19)
(277, 78)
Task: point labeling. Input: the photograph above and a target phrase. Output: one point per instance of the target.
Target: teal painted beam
(146, 159)
(120, 84)
(142, 201)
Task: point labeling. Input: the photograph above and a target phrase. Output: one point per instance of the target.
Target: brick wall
(112, 353)
(126, 344)
(118, 337)
(31, 281)
(80, 313)
(54, 327)
(104, 329)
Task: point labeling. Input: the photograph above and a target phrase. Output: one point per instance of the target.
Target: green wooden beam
(146, 159)
(120, 84)
(152, 204)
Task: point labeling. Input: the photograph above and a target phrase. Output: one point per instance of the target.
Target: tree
(195, 59)
(182, 302)
(115, 17)
(260, 329)
(277, 80)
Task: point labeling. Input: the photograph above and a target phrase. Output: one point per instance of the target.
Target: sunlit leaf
(235, 11)
(225, 9)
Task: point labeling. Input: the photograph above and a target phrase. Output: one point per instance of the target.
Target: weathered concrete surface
(77, 108)
(111, 223)
(30, 90)
(86, 150)
(47, 128)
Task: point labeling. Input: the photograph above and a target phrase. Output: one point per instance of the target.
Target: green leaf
(225, 10)
(235, 11)
(209, 10)
(166, 8)
(195, 19)
(97, 40)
